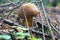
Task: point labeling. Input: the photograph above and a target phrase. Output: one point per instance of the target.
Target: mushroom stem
(30, 21)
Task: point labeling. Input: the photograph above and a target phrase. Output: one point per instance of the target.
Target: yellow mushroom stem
(29, 20)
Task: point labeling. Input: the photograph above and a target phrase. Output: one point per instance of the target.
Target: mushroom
(30, 10)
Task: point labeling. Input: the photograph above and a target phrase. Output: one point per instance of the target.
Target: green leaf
(4, 36)
(22, 34)
(34, 38)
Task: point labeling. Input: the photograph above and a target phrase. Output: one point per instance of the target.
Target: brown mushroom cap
(29, 9)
